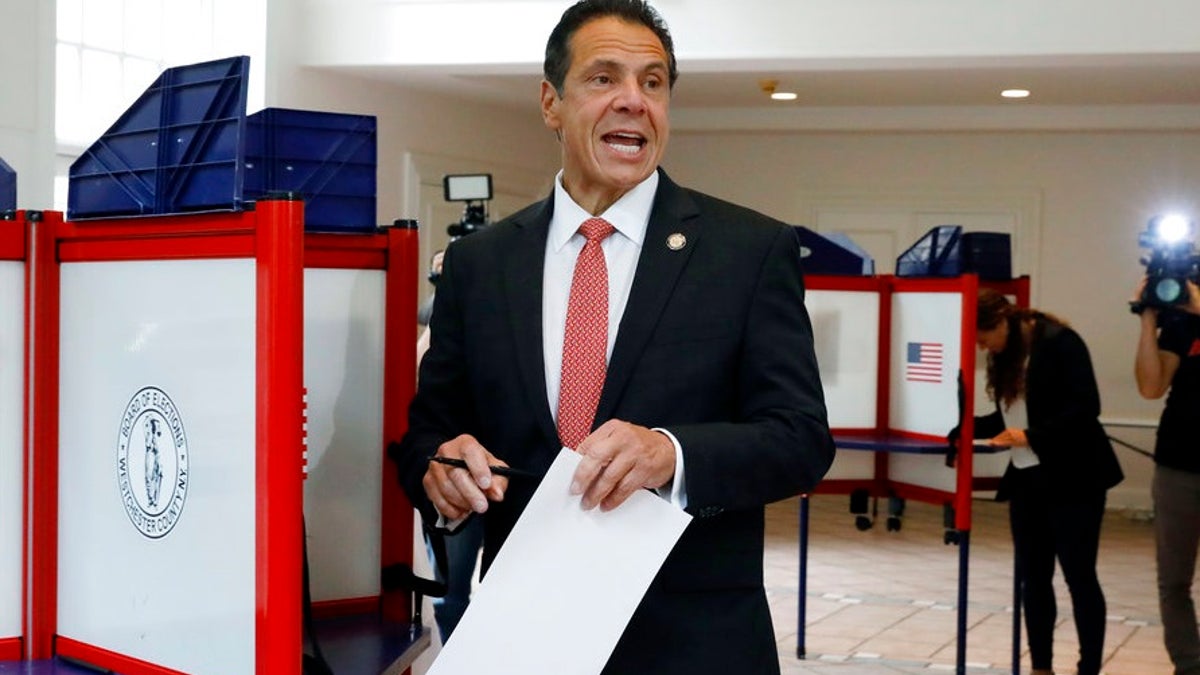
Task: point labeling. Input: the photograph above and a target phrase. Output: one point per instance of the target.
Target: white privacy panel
(989, 465)
(931, 470)
(343, 372)
(852, 465)
(926, 352)
(12, 447)
(157, 461)
(846, 334)
(925, 470)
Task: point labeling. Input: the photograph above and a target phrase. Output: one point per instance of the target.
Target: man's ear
(550, 102)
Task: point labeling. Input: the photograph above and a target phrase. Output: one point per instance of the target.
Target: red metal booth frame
(15, 245)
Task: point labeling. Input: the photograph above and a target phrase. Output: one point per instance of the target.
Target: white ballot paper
(564, 585)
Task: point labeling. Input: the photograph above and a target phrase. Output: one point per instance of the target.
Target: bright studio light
(1172, 228)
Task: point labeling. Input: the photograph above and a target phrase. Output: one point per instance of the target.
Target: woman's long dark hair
(1006, 370)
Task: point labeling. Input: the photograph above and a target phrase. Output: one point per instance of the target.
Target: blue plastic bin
(8, 187)
(328, 158)
(988, 254)
(946, 251)
(177, 149)
(186, 145)
(822, 254)
(937, 254)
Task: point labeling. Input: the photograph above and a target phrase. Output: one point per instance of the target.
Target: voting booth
(170, 442)
(183, 359)
(225, 346)
(14, 351)
(360, 373)
(899, 368)
(895, 354)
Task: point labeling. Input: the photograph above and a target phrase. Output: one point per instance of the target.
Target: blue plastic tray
(937, 254)
(821, 254)
(177, 149)
(988, 254)
(187, 145)
(8, 187)
(328, 158)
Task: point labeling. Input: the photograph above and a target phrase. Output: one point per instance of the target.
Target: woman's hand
(1011, 438)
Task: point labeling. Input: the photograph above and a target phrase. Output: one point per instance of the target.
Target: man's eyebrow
(611, 64)
(603, 64)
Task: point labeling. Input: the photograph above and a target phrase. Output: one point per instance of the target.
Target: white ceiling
(1113, 93)
(1162, 80)
(855, 64)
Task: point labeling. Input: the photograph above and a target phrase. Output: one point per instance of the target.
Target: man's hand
(1193, 295)
(456, 492)
(618, 459)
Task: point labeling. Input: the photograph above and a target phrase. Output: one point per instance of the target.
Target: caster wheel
(893, 524)
(950, 537)
(863, 523)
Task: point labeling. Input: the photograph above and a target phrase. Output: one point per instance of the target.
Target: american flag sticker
(924, 362)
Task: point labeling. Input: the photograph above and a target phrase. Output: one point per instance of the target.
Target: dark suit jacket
(1063, 406)
(715, 345)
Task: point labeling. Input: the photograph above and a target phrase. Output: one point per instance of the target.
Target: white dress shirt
(630, 215)
(1016, 417)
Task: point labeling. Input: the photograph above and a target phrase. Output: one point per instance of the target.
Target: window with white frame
(110, 51)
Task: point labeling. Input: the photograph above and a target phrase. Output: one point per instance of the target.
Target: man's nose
(630, 97)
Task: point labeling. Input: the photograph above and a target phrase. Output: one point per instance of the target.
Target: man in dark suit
(710, 394)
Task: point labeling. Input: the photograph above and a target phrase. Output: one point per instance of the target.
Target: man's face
(612, 117)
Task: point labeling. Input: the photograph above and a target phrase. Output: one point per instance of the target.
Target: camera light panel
(1171, 228)
(467, 187)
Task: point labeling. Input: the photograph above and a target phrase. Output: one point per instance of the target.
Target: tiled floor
(886, 602)
(882, 602)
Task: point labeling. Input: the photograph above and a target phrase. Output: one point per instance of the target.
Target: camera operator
(1168, 359)
(461, 548)
(474, 218)
(426, 309)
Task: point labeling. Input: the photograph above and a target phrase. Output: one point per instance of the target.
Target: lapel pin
(676, 241)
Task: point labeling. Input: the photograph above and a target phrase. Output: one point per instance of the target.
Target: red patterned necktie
(585, 340)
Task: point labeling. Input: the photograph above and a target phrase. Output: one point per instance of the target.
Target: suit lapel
(523, 272)
(658, 268)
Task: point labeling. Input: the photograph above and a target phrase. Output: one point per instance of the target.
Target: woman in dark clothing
(1061, 469)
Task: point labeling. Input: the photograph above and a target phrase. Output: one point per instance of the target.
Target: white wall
(27, 98)
(421, 136)
(465, 136)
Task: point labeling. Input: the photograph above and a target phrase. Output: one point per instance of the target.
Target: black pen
(506, 471)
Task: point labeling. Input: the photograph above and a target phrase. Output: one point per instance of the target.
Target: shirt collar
(630, 214)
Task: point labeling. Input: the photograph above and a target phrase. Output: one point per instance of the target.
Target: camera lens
(1168, 290)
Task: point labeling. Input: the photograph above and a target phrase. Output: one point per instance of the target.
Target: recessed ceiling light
(1015, 93)
(770, 88)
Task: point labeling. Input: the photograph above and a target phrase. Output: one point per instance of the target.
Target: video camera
(476, 190)
(1172, 262)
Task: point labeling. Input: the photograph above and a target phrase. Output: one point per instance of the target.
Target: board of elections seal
(152, 462)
